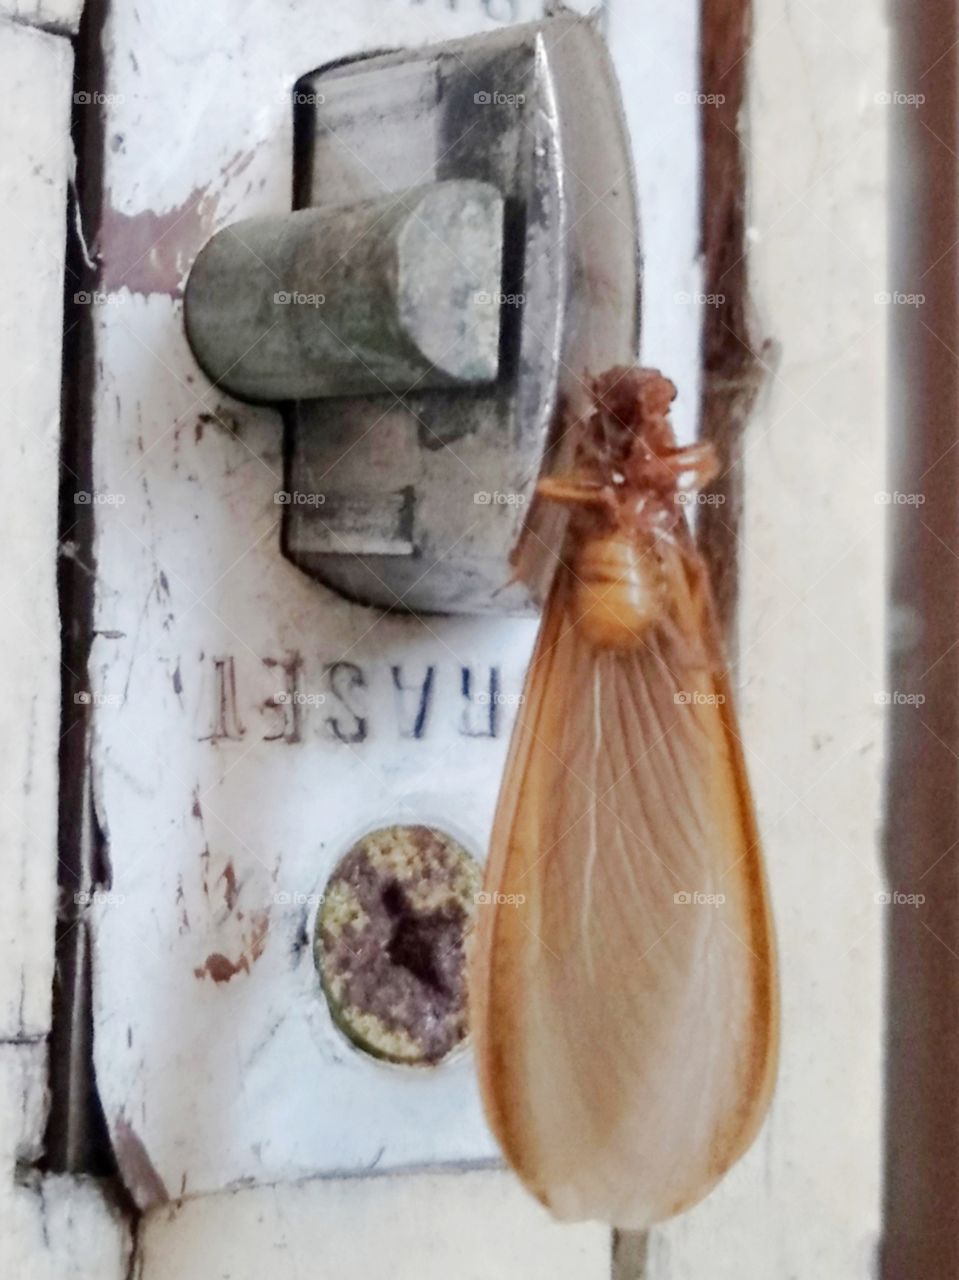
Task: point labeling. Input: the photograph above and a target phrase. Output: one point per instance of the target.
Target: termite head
(629, 471)
(633, 437)
(638, 401)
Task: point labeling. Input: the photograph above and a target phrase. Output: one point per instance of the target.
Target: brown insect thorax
(627, 492)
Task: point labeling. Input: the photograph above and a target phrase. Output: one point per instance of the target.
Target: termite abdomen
(618, 589)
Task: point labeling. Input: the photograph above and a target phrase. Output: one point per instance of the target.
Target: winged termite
(623, 986)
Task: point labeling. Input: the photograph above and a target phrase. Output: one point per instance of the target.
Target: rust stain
(229, 939)
(221, 968)
(141, 1178)
(259, 928)
(230, 889)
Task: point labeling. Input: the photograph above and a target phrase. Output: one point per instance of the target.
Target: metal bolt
(390, 942)
(379, 296)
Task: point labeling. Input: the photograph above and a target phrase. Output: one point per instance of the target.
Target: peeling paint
(151, 252)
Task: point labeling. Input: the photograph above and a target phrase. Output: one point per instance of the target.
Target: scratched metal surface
(248, 723)
(224, 807)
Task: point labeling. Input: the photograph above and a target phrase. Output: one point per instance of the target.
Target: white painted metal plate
(216, 1058)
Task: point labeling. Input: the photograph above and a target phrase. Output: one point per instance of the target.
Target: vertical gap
(76, 1139)
(732, 369)
(921, 838)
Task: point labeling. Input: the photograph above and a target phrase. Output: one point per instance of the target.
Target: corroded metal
(382, 295)
(390, 942)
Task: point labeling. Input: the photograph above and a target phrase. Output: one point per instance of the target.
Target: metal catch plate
(420, 501)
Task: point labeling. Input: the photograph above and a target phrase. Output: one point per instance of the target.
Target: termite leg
(698, 460)
(572, 491)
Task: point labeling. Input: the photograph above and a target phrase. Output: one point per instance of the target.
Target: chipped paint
(151, 252)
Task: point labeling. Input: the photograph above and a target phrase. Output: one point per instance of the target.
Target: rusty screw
(390, 943)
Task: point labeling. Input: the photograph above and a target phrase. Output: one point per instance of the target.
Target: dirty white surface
(471, 1226)
(216, 1058)
(57, 15)
(655, 49)
(34, 157)
(52, 1228)
(805, 1203)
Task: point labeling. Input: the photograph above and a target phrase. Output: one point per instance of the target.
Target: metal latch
(462, 258)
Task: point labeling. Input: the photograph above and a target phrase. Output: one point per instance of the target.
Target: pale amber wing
(624, 993)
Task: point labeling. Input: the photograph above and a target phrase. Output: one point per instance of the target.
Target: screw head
(390, 943)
